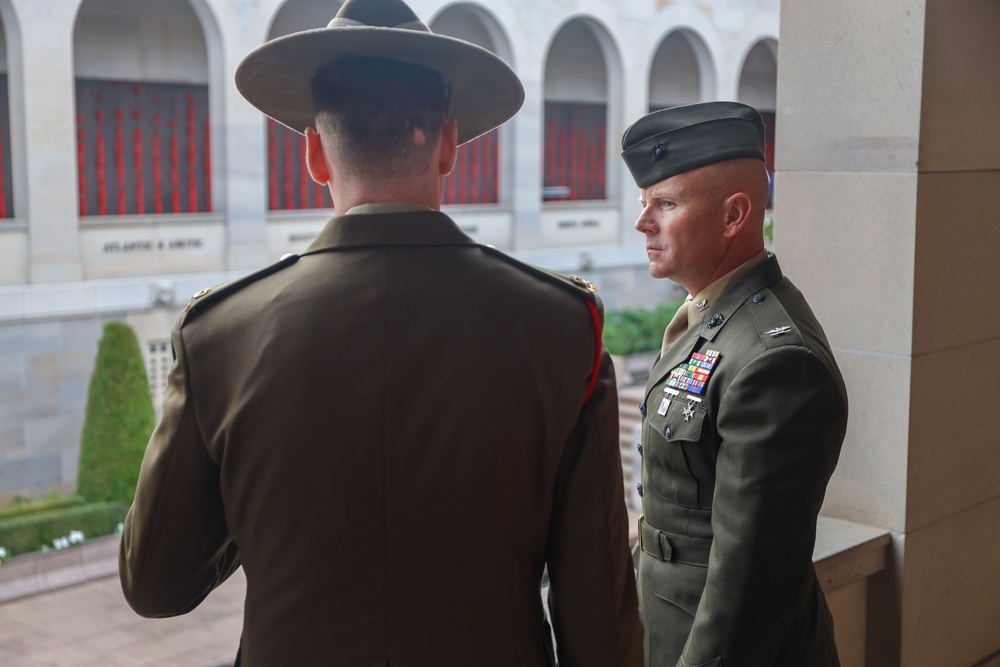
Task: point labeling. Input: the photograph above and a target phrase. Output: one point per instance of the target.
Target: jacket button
(642, 408)
(638, 487)
(638, 447)
(758, 297)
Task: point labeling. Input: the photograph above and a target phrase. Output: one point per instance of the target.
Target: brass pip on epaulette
(584, 283)
(219, 291)
(197, 295)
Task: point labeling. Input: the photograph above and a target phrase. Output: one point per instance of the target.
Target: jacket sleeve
(175, 547)
(780, 425)
(592, 593)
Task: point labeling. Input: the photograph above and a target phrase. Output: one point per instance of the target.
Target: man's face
(683, 220)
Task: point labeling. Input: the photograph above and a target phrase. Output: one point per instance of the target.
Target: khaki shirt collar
(388, 224)
(386, 207)
(706, 297)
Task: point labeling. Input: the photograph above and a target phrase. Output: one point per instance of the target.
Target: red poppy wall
(474, 179)
(6, 191)
(142, 148)
(575, 155)
(289, 185)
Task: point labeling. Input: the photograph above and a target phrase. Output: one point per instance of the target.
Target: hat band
(340, 22)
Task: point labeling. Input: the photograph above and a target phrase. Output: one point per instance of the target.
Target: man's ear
(737, 209)
(448, 147)
(315, 158)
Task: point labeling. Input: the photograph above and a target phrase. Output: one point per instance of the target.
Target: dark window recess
(474, 179)
(289, 185)
(575, 151)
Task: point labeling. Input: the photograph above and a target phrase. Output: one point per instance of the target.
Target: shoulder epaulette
(581, 287)
(576, 282)
(774, 325)
(206, 297)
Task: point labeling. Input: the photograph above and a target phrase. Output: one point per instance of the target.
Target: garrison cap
(671, 141)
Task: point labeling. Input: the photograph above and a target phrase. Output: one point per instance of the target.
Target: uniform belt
(674, 548)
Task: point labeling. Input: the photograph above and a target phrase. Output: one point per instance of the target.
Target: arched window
(758, 88)
(476, 177)
(289, 186)
(576, 115)
(681, 72)
(143, 130)
(6, 184)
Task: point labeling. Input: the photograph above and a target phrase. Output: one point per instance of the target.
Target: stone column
(888, 160)
(49, 138)
(528, 125)
(245, 26)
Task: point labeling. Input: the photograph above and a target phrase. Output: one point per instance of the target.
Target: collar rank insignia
(693, 375)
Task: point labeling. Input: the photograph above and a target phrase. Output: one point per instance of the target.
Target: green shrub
(634, 330)
(24, 506)
(31, 532)
(119, 418)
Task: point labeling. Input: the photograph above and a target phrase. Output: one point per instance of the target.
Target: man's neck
(347, 196)
(713, 289)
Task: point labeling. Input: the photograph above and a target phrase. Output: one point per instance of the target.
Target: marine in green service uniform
(744, 414)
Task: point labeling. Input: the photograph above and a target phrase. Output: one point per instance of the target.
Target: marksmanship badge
(693, 375)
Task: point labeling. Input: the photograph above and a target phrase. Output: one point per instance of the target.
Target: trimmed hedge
(119, 418)
(634, 330)
(24, 507)
(24, 534)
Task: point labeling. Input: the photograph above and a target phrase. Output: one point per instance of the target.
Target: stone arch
(682, 71)
(298, 15)
(758, 80)
(758, 85)
(485, 163)
(475, 23)
(583, 104)
(289, 186)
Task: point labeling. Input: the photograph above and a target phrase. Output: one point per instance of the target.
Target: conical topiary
(119, 419)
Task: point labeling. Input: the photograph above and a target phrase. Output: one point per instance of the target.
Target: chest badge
(693, 375)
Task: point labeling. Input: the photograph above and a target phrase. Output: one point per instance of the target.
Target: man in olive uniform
(396, 432)
(744, 413)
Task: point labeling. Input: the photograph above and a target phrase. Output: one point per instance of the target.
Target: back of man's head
(379, 118)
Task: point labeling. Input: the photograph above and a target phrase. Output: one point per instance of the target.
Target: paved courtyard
(90, 625)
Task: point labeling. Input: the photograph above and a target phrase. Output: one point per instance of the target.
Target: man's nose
(644, 224)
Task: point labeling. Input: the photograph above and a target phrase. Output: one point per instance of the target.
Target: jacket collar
(716, 317)
(406, 228)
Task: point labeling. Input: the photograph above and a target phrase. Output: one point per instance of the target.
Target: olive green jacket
(733, 478)
(393, 434)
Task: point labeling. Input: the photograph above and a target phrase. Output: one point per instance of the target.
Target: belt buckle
(640, 532)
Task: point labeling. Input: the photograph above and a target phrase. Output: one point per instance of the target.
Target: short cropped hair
(371, 112)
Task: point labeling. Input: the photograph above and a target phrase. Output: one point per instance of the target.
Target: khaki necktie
(678, 325)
